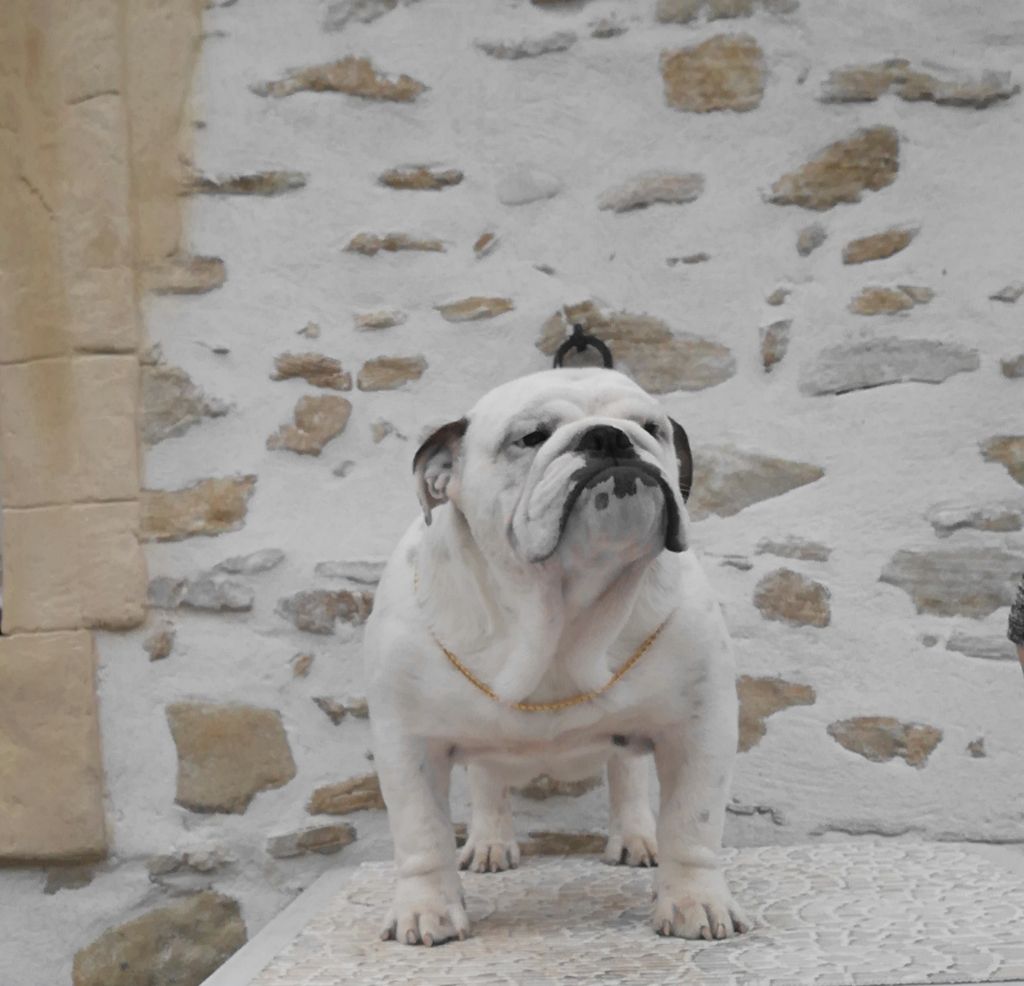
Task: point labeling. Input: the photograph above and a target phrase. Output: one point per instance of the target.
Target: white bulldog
(545, 615)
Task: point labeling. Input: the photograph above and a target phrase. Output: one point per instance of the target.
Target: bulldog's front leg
(429, 906)
(694, 763)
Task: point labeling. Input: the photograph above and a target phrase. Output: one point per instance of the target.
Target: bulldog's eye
(652, 429)
(538, 437)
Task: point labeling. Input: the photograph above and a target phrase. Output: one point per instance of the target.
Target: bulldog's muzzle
(610, 455)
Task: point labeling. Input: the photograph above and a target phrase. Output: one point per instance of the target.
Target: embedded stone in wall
(976, 748)
(209, 507)
(677, 11)
(878, 246)
(381, 429)
(543, 787)
(789, 597)
(317, 419)
(863, 83)
(309, 331)
(318, 610)
(882, 738)
(993, 648)
(652, 187)
(778, 297)
(172, 403)
(965, 581)
(178, 945)
(252, 564)
(879, 362)
(390, 372)
(159, 645)
(738, 8)
(420, 178)
(191, 863)
(217, 593)
(763, 697)
(332, 708)
(684, 11)
(1010, 294)
(1013, 367)
(737, 808)
(314, 368)
(529, 47)
(264, 183)
(1008, 450)
(607, 27)
(474, 308)
(323, 839)
(810, 238)
(523, 184)
(725, 72)
(68, 878)
(302, 664)
(867, 160)
(352, 76)
(690, 258)
(774, 343)
(562, 843)
(370, 244)
(794, 547)
(358, 708)
(363, 572)
(383, 319)
(356, 794)
(866, 83)
(888, 301)
(227, 754)
(341, 12)
(727, 480)
(485, 244)
(657, 359)
(949, 517)
(728, 9)
(184, 274)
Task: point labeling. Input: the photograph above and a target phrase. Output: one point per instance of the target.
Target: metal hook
(580, 340)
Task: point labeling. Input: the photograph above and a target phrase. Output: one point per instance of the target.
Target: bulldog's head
(580, 462)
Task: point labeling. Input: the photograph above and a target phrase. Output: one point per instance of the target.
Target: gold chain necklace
(565, 703)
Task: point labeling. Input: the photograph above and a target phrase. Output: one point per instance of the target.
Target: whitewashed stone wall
(857, 425)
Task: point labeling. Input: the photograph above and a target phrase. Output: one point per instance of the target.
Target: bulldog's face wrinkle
(527, 507)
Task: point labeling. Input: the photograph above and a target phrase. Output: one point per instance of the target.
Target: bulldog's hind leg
(631, 825)
(490, 843)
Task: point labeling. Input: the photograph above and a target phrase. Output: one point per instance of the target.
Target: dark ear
(682, 444)
(433, 463)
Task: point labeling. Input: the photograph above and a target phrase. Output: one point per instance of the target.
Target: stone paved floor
(855, 914)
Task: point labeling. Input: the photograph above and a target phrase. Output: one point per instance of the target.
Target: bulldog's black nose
(606, 442)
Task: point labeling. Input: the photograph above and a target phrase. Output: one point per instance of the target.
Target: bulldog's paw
(428, 910)
(696, 903)
(631, 849)
(489, 855)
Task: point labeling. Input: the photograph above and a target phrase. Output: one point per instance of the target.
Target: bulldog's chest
(567, 757)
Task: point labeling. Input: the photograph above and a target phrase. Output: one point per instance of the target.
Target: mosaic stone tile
(843, 914)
